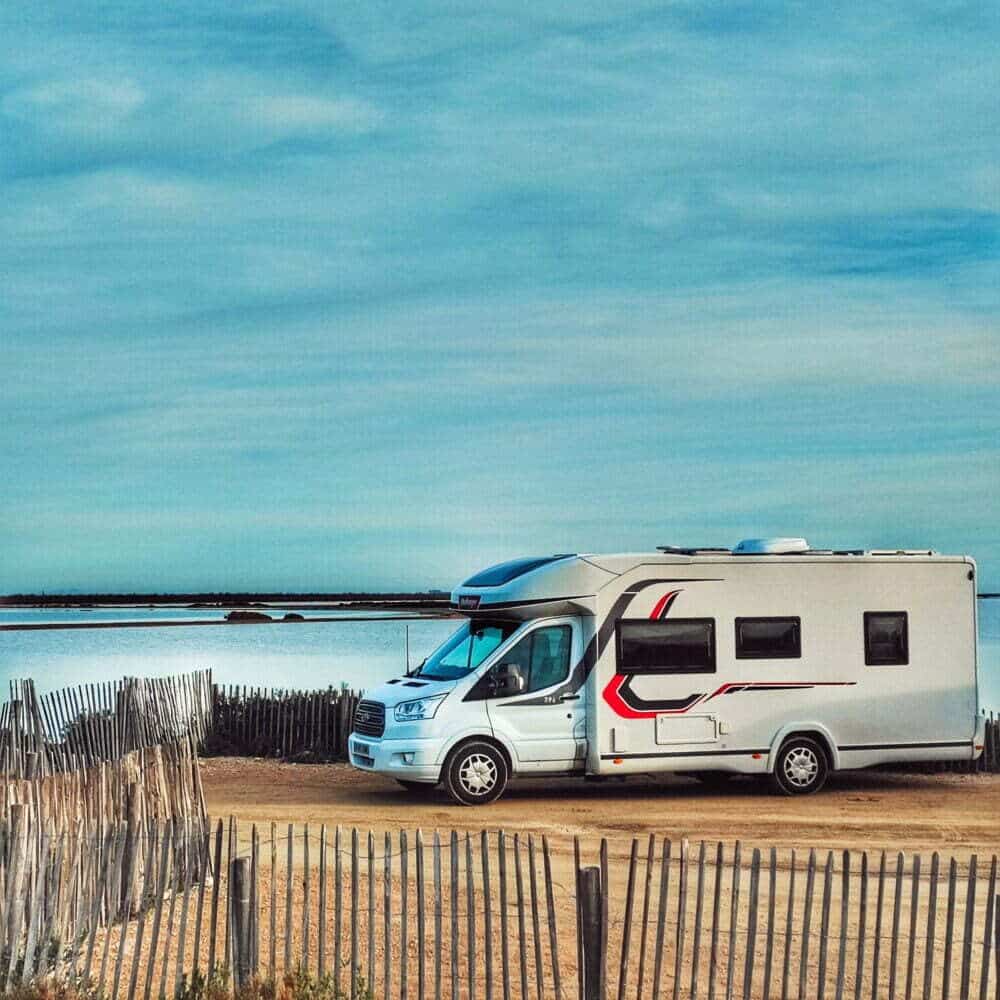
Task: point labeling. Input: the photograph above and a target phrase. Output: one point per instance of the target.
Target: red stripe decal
(662, 606)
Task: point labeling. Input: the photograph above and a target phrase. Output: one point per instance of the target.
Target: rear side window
(671, 646)
(768, 638)
(887, 641)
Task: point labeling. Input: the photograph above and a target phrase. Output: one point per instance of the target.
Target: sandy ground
(955, 814)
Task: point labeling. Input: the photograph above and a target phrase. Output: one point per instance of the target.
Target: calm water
(300, 655)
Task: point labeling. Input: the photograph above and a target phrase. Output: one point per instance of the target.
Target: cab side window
(543, 656)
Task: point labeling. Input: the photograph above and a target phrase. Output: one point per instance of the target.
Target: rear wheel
(801, 767)
(476, 773)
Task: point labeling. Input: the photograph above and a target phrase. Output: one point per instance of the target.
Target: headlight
(421, 708)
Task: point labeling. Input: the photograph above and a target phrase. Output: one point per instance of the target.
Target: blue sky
(316, 296)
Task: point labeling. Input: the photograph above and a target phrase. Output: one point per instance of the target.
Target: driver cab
(528, 696)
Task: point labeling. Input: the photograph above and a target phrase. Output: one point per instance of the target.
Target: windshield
(466, 649)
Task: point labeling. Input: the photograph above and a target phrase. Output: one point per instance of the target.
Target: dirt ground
(955, 814)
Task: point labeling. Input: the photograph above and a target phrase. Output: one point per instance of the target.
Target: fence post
(129, 887)
(591, 909)
(239, 882)
(13, 910)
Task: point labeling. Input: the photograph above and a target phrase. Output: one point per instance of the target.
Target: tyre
(417, 787)
(801, 767)
(476, 773)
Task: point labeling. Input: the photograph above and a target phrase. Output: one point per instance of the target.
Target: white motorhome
(769, 659)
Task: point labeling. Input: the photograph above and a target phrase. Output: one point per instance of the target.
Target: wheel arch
(478, 737)
(814, 730)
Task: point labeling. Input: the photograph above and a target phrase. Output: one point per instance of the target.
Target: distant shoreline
(190, 622)
(224, 601)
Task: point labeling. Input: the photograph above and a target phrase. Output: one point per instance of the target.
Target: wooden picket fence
(494, 915)
(293, 725)
(78, 727)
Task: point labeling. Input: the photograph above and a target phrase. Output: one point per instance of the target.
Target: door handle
(570, 697)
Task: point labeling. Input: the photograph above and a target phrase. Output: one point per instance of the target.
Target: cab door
(531, 700)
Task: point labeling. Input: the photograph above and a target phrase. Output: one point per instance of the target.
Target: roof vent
(771, 546)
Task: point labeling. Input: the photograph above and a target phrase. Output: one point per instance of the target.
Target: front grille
(369, 718)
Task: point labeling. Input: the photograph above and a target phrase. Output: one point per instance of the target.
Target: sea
(357, 650)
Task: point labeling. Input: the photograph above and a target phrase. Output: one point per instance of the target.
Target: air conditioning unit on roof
(771, 547)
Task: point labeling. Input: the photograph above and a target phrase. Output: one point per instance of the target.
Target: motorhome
(769, 659)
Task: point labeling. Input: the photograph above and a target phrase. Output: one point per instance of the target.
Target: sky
(312, 296)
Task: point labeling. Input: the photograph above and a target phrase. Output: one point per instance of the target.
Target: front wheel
(801, 767)
(476, 774)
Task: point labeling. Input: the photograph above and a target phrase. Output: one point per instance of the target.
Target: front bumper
(407, 759)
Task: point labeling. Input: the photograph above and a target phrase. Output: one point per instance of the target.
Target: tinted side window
(887, 641)
(543, 656)
(670, 646)
(768, 638)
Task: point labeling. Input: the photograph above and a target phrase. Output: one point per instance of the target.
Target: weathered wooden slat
(521, 935)
(419, 904)
(504, 937)
(682, 887)
(968, 928)
(550, 908)
(306, 887)
(321, 911)
(949, 930)
(877, 940)
(752, 903)
(216, 886)
(453, 893)
(807, 905)
(859, 956)
(470, 918)
(786, 965)
(484, 861)
(371, 911)
(930, 950)
(355, 969)
(404, 886)
(845, 899)
(438, 918)
(386, 917)
(988, 930)
(535, 920)
(338, 905)
(912, 939)
(627, 918)
(272, 950)
(734, 909)
(824, 929)
(772, 877)
(289, 883)
(647, 892)
(713, 956)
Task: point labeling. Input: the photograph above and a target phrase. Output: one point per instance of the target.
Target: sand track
(955, 814)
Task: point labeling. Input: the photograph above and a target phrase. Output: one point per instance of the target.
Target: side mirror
(507, 680)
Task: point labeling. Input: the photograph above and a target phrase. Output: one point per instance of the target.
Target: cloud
(305, 114)
(497, 279)
(78, 107)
